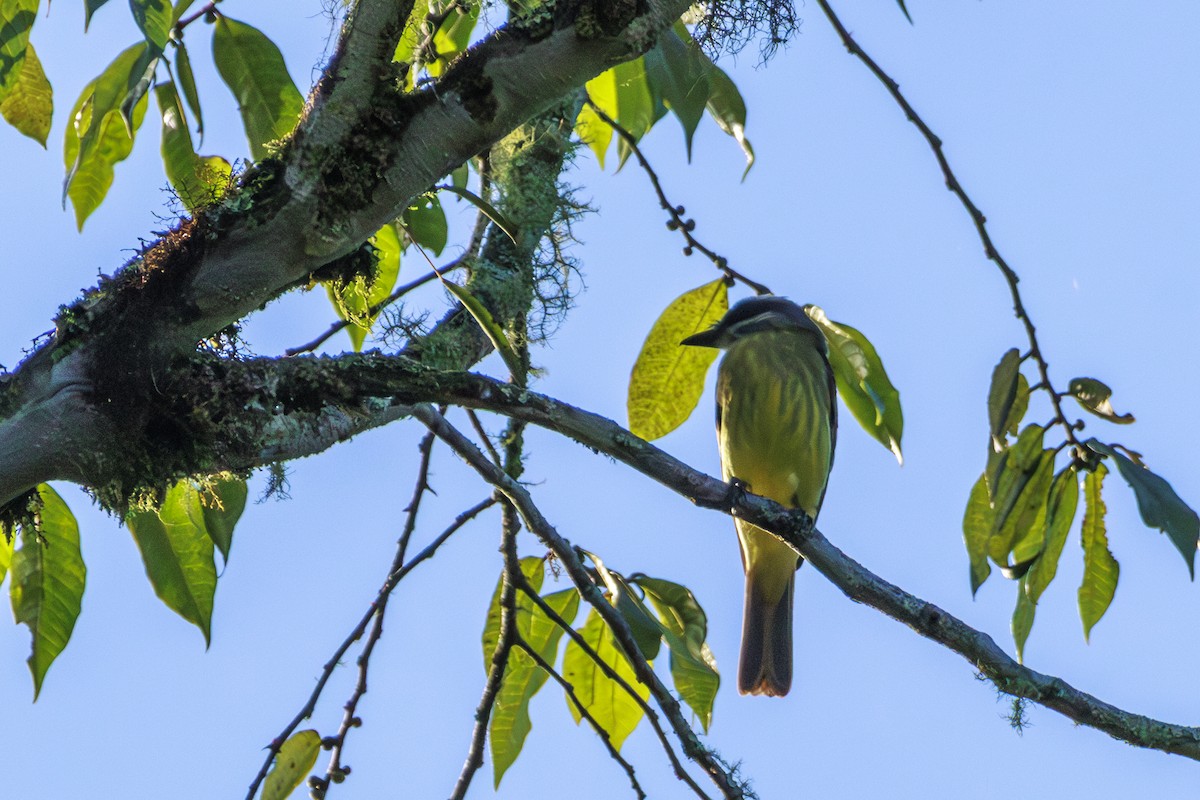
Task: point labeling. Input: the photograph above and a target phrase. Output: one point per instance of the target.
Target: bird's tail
(766, 662)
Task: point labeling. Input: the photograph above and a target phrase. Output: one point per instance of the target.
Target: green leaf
(1019, 496)
(534, 570)
(1019, 407)
(48, 579)
(728, 109)
(621, 92)
(1022, 619)
(187, 85)
(677, 74)
(685, 627)
(668, 378)
(1158, 504)
(221, 505)
(90, 7)
(141, 78)
(295, 758)
(1100, 569)
(608, 703)
(642, 624)
(178, 555)
(453, 36)
(154, 18)
(862, 381)
(197, 180)
(29, 104)
(354, 300)
(910, 22)
(98, 136)
(594, 132)
(490, 211)
(6, 554)
(1094, 396)
(977, 529)
(1064, 500)
(488, 325)
(425, 221)
(510, 724)
(1026, 525)
(253, 69)
(16, 21)
(1002, 394)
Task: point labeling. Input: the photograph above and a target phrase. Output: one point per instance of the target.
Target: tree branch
(977, 216)
(411, 384)
(730, 787)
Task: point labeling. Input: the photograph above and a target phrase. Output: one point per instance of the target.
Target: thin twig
(388, 587)
(376, 308)
(336, 771)
(977, 216)
(584, 713)
(721, 775)
(615, 677)
(678, 222)
(483, 435)
(499, 662)
(860, 584)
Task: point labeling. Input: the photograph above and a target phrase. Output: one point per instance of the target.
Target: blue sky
(1073, 127)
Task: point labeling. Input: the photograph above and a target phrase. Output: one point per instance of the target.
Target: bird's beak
(706, 338)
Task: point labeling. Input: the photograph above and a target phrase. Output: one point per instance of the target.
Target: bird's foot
(735, 490)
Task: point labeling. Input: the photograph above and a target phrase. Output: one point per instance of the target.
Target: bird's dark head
(755, 315)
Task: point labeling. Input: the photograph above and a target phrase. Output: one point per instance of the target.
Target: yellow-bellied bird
(776, 429)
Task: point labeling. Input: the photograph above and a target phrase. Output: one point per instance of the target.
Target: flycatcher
(776, 429)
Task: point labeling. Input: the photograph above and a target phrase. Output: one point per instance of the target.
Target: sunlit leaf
(534, 570)
(977, 529)
(523, 678)
(1100, 569)
(291, 764)
(862, 381)
(1094, 396)
(354, 300)
(16, 21)
(622, 93)
(677, 74)
(1064, 500)
(29, 103)
(197, 180)
(453, 35)
(47, 582)
(1002, 394)
(1026, 525)
(614, 710)
(6, 553)
(178, 555)
(253, 69)
(1158, 504)
(685, 628)
(97, 136)
(668, 378)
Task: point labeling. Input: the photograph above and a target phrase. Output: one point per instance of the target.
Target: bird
(776, 432)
